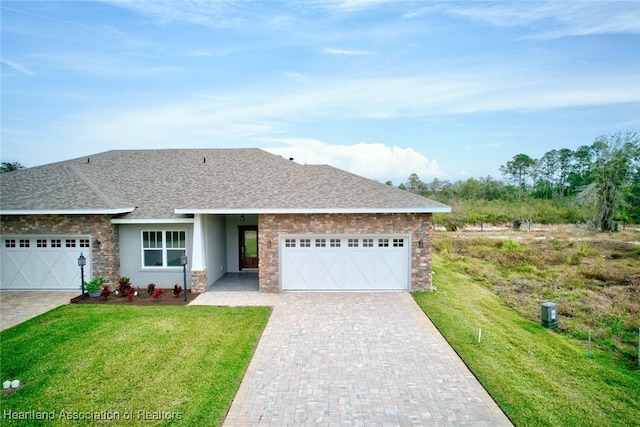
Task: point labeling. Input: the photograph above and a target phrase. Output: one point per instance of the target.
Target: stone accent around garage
(271, 226)
(105, 246)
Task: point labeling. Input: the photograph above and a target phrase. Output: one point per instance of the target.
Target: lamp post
(82, 261)
(184, 261)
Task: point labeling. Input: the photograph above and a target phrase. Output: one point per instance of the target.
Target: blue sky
(380, 88)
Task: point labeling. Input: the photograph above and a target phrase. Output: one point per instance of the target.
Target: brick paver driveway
(18, 306)
(353, 359)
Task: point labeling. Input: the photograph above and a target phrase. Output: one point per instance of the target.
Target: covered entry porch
(224, 252)
(245, 281)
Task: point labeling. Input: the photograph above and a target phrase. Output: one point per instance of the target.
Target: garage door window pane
(84, 243)
(367, 243)
(321, 243)
(56, 243)
(71, 243)
(289, 243)
(305, 243)
(398, 243)
(41, 243)
(353, 243)
(334, 243)
(24, 243)
(383, 243)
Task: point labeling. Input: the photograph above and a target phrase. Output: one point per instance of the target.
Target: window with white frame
(163, 248)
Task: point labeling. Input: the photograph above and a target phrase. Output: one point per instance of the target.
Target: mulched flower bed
(143, 298)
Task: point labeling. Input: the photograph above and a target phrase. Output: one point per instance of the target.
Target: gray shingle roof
(157, 182)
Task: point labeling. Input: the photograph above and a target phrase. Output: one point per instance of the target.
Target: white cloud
(354, 5)
(17, 67)
(240, 117)
(346, 52)
(98, 65)
(557, 18)
(217, 14)
(372, 160)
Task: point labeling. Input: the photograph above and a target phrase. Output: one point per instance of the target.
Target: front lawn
(536, 375)
(114, 365)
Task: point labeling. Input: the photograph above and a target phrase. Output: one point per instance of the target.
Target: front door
(248, 247)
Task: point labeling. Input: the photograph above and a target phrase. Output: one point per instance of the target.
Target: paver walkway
(18, 306)
(353, 359)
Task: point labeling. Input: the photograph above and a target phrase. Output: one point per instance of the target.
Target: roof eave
(120, 221)
(236, 211)
(92, 211)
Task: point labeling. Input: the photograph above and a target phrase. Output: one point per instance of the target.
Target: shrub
(157, 293)
(177, 290)
(95, 284)
(510, 245)
(105, 291)
(129, 293)
(124, 284)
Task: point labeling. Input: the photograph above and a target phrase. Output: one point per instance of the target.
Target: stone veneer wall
(198, 281)
(270, 226)
(105, 256)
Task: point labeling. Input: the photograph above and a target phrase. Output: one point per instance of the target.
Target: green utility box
(549, 315)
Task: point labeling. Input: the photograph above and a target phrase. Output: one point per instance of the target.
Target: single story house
(134, 213)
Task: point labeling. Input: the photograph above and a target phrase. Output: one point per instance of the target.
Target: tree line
(597, 184)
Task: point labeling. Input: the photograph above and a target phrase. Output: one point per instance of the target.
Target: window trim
(164, 249)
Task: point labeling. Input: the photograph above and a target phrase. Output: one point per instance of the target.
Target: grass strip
(537, 376)
(151, 365)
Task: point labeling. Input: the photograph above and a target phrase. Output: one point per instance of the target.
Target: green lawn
(181, 364)
(537, 376)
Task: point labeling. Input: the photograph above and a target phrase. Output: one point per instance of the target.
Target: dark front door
(248, 247)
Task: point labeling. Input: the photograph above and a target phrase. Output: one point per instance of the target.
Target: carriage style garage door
(43, 262)
(345, 262)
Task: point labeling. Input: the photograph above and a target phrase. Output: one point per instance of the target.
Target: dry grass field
(594, 278)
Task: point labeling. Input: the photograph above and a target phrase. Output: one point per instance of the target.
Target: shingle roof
(159, 182)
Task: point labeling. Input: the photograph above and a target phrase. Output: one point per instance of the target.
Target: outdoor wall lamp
(82, 261)
(421, 243)
(269, 244)
(242, 218)
(184, 261)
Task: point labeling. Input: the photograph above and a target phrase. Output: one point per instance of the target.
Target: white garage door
(345, 262)
(43, 262)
